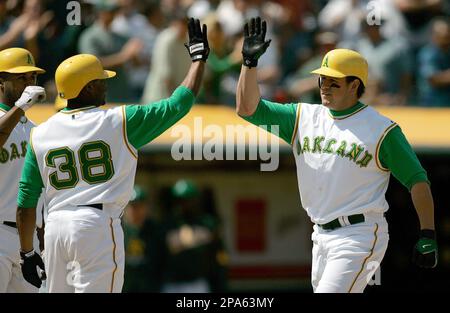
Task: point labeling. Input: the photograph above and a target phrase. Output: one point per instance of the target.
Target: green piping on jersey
(297, 120)
(125, 133)
(340, 115)
(4, 107)
(377, 151)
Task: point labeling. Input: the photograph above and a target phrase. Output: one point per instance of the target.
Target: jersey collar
(70, 111)
(340, 115)
(4, 107)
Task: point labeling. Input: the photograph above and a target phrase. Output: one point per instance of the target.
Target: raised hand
(255, 43)
(198, 46)
(30, 96)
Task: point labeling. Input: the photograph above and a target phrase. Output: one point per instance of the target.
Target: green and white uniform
(344, 160)
(12, 157)
(88, 157)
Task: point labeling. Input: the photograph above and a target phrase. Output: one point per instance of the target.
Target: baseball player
(85, 158)
(345, 152)
(17, 79)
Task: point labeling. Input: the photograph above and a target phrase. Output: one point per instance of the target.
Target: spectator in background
(345, 17)
(390, 65)
(131, 23)
(139, 228)
(417, 15)
(113, 50)
(193, 256)
(23, 30)
(434, 66)
(232, 15)
(220, 61)
(301, 85)
(169, 62)
(202, 8)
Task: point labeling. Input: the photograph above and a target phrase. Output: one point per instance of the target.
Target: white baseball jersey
(338, 170)
(12, 157)
(84, 158)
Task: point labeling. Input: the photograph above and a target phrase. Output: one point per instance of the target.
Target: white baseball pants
(346, 258)
(11, 278)
(84, 251)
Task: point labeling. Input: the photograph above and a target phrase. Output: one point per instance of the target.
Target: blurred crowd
(176, 244)
(406, 43)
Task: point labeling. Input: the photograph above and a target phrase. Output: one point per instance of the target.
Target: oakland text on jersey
(13, 151)
(319, 144)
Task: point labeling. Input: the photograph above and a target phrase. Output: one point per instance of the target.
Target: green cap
(184, 189)
(139, 194)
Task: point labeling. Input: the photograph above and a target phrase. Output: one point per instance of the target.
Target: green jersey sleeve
(30, 184)
(271, 114)
(397, 155)
(146, 122)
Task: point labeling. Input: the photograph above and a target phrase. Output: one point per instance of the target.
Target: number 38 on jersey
(95, 165)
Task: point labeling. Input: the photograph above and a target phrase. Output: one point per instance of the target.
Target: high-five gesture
(198, 41)
(255, 43)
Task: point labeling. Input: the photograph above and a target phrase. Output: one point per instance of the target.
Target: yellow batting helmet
(59, 103)
(17, 61)
(76, 72)
(339, 63)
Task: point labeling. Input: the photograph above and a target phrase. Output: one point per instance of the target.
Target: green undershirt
(396, 154)
(144, 123)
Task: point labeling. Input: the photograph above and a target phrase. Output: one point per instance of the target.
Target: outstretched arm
(193, 78)
(198, 49)
(255, 44)
(426, 250)
(26, 224)
(30, 95)
(423, 202)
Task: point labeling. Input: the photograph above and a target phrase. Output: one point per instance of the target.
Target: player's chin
(326, 101)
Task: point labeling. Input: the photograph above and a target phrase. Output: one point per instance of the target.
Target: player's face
(335, 92)
(15, 84)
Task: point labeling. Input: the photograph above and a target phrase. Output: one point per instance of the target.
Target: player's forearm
(194, 77)
(247, 94)
(8, 122)
(26, 221)
(423, 202)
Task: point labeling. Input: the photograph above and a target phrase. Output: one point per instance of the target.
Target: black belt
(352, 219)
(10, 224)
(98, 206)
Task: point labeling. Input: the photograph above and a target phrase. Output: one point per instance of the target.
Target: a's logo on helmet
(325, 62)
(29, 59)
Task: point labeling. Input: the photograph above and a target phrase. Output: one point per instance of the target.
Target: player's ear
(355, 85)
(2, 83)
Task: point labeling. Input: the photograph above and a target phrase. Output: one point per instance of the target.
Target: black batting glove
(255, 43)
(33, 268)
(425, 252)
(198, 47)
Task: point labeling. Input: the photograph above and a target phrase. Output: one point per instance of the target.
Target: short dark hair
(361, 87)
